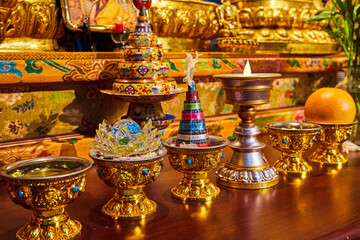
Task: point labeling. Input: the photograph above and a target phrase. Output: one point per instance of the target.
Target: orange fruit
(330, 105)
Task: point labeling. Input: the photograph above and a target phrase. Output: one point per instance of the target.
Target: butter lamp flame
(247, 69)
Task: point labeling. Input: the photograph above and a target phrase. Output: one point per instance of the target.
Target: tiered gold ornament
(144, 77)
(276, 26)
(247, 167)
(292, 139)
(47, 185)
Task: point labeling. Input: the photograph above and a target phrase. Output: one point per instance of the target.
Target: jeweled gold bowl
(195, 163)
(292, 139)
(128, 177)
(47, 185)
(331, 136)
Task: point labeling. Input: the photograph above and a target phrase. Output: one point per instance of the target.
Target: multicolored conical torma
(192, 124)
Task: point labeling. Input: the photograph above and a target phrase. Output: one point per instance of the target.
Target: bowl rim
(313, 126)
(93, 154)
(5, 169)
(169, 141)
(332, 124)
(242, 76)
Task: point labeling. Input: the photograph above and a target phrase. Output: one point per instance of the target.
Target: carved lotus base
(195, 187)
(332, 158)
(292, 166)
(258, 177)
(132, 204)
(50, 224)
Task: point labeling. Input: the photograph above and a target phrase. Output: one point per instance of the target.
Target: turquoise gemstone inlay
(284, 141)
(222, 155)
(349, 134)
(315, 140)
(145, 172)
(75, 189)
(101, 173)
(318, 133)
(188, 161)
(20, 193)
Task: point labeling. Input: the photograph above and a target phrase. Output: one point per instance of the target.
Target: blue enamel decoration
(20, 193)
(188, 161)
(145, 172)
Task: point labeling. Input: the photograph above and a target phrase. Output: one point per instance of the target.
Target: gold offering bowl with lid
(292, 139)
(46, 185)
(128, 177)
(332, 135)
(247, 168)
(195, 163)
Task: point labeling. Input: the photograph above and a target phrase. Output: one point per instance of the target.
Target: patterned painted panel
(85, 68)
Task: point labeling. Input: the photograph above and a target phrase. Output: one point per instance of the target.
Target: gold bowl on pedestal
(128, 177)
(331, 136)
(195, 163)
(47, 185)
(292, 139)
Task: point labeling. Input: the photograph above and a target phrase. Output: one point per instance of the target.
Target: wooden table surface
(325, 206)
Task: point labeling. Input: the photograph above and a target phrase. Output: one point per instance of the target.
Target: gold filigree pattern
(279, 26)
(46, 194)
(48, 199)
(178, 19)
(292, 139)
(31, 21)
(18, 153)
(123, 206)
(128, 178)
(328, 153)
(195, 163)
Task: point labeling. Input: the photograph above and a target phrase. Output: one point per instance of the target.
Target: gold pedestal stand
(247, 167)
(331, 136)
(195, 163)
(292, 139)
(128, 177)
(47, 185)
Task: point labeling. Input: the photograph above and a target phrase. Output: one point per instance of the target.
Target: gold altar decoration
(184, 25)
(47, 185)
(33, 26)
(279, 26)
(292, 139)
(6, 7)
(128, 177)
(332, 135)
(195, 163)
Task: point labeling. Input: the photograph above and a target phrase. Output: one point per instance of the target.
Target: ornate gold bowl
(292, 139)
(128, 177)
(47, 185)
(331, 136)
(195, 163)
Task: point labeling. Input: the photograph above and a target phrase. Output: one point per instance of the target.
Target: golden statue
(228, 16)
